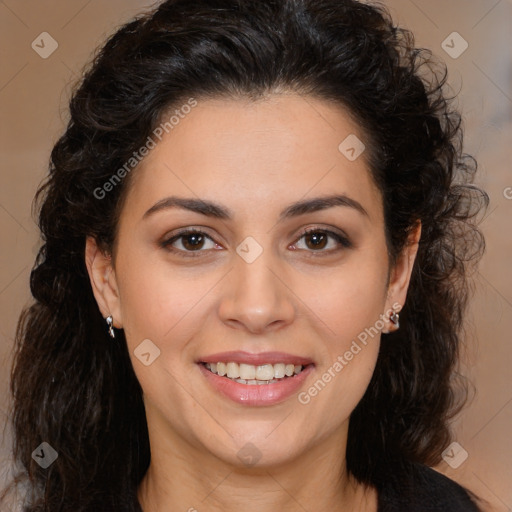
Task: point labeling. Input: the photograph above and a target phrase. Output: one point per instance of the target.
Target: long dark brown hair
(76, 390)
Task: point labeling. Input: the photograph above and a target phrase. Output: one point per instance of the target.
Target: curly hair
(76, 390)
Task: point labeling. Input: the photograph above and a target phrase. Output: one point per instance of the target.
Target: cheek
(161, 303)
(349, 299)
(158, 299)
(349, 305)
(349, 356)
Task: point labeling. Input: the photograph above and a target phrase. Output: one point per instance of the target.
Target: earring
(395, 319)
(110, 326)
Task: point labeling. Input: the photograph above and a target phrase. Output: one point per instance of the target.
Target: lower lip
(257, 394)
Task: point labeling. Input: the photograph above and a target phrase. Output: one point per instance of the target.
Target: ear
(400, 275)
(103, 281)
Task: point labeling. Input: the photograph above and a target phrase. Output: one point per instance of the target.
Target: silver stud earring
(110, 326)
(395, 319)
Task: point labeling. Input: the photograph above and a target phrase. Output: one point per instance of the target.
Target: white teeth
(233, 371)
(247, 371)
(250, 374)
(279, 371)
(221, 369)
(253, 381)
(265, 372)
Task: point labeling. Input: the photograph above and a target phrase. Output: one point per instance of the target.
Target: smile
(254, 375)
(269, 386)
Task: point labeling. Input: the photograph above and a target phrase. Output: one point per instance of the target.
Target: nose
(256, 297)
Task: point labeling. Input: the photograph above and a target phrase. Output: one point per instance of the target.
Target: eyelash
(167, 244)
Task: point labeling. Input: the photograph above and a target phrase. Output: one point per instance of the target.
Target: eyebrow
(211, 209)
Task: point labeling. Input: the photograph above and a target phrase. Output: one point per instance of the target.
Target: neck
(181, 476)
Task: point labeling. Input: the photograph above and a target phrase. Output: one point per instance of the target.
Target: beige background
(33, 99)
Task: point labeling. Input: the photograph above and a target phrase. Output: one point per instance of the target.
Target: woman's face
(251, 282)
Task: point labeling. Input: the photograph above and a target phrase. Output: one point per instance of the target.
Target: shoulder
(423, 489)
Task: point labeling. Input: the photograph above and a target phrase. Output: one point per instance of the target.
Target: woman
(258, 227)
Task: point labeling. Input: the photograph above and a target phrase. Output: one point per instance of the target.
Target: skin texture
(255, 158)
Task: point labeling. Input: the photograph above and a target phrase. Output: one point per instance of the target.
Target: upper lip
(255, 359)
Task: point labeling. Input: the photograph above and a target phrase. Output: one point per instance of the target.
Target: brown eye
(193, 241)
(317, 240)
(189, 241)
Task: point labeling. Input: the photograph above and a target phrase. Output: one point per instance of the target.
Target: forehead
(254, 155)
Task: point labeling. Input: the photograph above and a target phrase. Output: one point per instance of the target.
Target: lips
(256, 359)
(262, 395)
(266, 394)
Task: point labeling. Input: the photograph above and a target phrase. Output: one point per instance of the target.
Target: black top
(422, 490)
